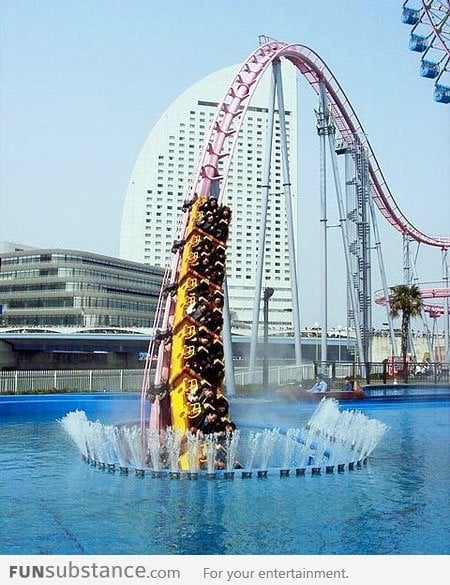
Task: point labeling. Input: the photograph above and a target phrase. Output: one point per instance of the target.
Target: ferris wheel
(430, 36)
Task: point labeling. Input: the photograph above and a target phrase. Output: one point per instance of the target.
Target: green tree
(406, 300)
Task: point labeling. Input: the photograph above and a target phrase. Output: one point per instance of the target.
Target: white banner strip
(221, 570)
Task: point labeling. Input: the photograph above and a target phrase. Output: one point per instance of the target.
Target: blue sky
(83, 82)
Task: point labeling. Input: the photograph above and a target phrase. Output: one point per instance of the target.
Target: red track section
(220, 143)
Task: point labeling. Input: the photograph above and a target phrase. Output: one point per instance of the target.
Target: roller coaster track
(232, 110)
(210, 181)
(426, 292)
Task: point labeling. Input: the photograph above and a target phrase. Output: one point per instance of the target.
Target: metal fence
(23, 381)
(278, 375)
(414, 390)
(387, 372)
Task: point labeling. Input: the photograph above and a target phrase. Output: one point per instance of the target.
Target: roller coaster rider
(209, 402)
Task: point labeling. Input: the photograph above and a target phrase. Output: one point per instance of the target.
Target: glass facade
(76, 289)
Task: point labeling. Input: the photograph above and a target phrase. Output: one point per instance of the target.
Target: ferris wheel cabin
(441, 93)
(410, 15)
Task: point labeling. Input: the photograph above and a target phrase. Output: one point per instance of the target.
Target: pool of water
(53, 503)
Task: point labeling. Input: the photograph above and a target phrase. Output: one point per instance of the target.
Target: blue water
(53, 503)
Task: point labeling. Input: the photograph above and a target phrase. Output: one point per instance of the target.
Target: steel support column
(446, 303)
(406, 260)
(289, 215)
(227, 343)
(262, 227)
(346, 246)
(323, 127)
(384, 284)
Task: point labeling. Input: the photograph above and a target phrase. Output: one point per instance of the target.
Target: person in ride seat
(225, 214)
(198, 311)
(321, 384)
(348, 385)
(214, 373)
(211, 204)
(209, 423)
(207, 399)
(221, 405)
(206, 222)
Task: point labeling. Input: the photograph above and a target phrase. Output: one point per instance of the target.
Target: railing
(415, 390)
(278, 375)
(23, 381)
(387, 372)
(336, 372)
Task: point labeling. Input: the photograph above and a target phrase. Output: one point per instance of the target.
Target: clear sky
(84, 81)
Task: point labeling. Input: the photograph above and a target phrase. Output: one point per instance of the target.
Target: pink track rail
(428, 292)
(220, 143)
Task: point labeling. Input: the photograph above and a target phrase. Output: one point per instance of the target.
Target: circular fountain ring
(332, 441)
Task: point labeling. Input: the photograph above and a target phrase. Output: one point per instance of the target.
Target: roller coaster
(191, 350)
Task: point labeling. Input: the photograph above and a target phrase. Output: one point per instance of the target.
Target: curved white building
(161, 175)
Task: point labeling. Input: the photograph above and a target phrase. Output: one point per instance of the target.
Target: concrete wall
(381, 348)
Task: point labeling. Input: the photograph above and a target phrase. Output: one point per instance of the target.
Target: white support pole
(227, 343)
(262, 227)
(406, 260)
(415, 279)
(408, 279)
(298, 212)
(289, 215)
(446, 304)
(322, 128)
(381, 266)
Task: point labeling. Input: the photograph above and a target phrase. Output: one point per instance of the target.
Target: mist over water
(331, 437)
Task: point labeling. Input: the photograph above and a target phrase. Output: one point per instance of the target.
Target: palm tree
(406, 300)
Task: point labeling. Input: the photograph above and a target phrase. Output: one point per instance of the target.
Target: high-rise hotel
(164, 168)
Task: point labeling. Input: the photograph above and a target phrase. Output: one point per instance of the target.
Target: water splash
(252, 450)
(290, 446)
(193, 451)
(268, 442)
(74, 425)
(210, 449)
(330, 438)
(173, 448)
(154, 449)
(231, 446)
(133, 440)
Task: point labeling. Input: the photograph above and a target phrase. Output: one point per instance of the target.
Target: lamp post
(268, 292)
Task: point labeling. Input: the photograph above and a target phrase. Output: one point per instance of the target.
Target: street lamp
(268, 292)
